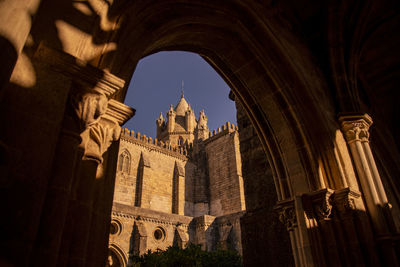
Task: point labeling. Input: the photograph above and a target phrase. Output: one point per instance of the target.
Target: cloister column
(117, 113)
(89, 221)
(291, 214)
(91, 124)
(356, 131)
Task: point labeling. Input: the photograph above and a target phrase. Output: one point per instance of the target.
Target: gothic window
(124, 163)
(180, 141)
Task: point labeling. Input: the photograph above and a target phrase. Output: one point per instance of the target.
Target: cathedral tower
(182, 127)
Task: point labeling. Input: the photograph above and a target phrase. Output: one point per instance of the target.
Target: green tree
(191, 256)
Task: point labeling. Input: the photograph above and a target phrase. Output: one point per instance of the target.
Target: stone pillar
(55, 208)
(354, 231)
(291, 214)
(355, 129)
(96, 139)
(339, 230)
(91, 122)
(318, 208)
(104, 189)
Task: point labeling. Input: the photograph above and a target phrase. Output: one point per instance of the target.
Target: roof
(182, 106)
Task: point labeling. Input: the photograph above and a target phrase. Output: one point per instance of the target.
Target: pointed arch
(124, 162)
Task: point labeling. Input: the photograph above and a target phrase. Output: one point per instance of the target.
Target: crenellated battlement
(163, 147)
(224, 129)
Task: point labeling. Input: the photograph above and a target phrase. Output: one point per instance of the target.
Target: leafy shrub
(191, 256)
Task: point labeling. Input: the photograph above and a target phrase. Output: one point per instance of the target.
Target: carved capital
(319, 204)
(355, 127)
(88, 107)
(101, 133)
(99, 137)
(90, 111)
(344, 200)
(287, 214)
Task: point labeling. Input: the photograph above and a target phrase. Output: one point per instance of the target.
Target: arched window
(181, 141)
(124, 162)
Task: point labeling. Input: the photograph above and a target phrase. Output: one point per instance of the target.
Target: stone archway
(302, 157)
(69, 66)
(116, 257)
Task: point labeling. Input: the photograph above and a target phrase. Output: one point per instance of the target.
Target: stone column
(91, 122)
(96, 140)
(318, 207)
(355, 129)
(116, 114)
(338, 228)
(354, 231)
(55, 207)
(287, 216)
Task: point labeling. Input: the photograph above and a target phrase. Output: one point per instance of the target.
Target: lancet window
(124, 162)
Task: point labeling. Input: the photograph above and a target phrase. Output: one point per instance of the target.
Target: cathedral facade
(184, 186)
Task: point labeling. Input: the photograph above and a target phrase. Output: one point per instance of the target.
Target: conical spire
(182, 106)
(161, 118)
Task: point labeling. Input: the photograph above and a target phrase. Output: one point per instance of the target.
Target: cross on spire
(183, 85)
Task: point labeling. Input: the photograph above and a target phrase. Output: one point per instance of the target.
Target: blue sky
(156, 84)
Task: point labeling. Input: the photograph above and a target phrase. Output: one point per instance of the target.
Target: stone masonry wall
(157, 176)
(264, 237)
(146, 193)
(225, 175)
(124, 218)
(200, 193)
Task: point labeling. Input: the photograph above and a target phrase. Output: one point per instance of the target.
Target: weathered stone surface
(294, 65)
(199, 178)
(260, 219)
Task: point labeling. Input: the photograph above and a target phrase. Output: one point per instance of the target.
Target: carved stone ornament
(99, 137)
(94, 115)
(318, 204)
(287, 215)
(344, 200)
(100, 121)
(323, 207)
(356, 127)
(88, 108)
